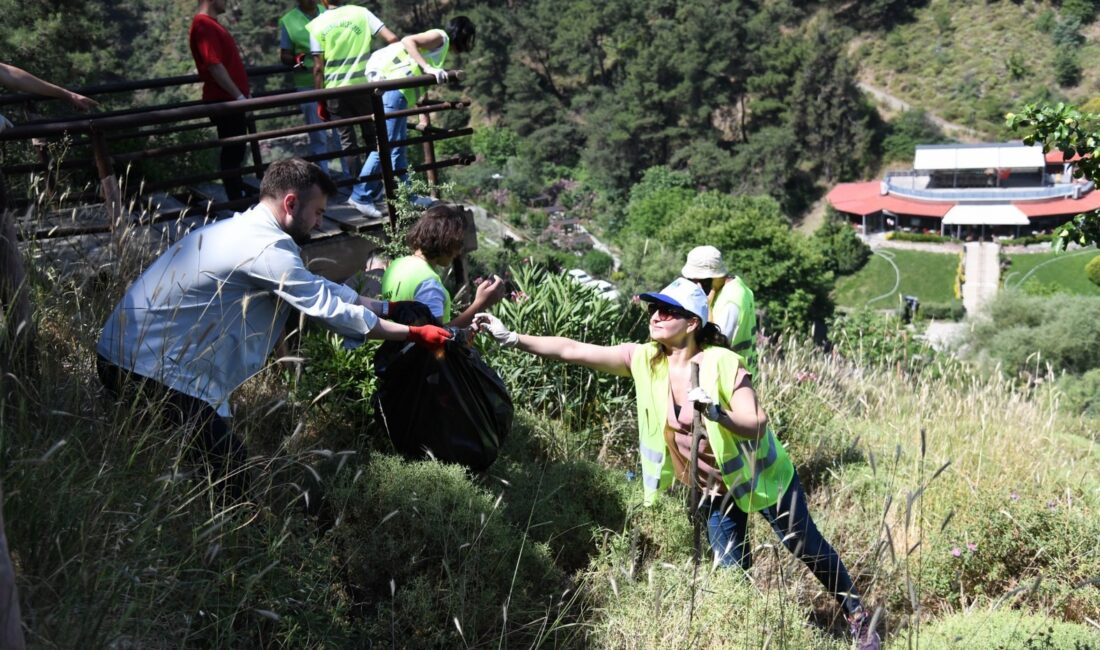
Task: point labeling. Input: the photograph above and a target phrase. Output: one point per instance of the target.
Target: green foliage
(1092, 270)
(432, 559)
(1044, 22)
(901, 235)
(496, 145)
(1082, 393)
(597, 263)
(659, 198)
(553, 305)
(953, 311)
(992, 558)
(1027, 240)
(871, 338)
(1082, 11)
(909, 129)
(785, 270)
(843, 250)
(1003, 628)
(1064, 272)
(1067, 68)
(1025, 333)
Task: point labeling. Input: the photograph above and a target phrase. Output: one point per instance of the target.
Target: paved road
(983, 274)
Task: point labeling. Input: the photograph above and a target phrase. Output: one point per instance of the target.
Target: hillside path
(898, 104)
(983, 274)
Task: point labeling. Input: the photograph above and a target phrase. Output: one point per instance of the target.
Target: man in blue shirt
(206, 314)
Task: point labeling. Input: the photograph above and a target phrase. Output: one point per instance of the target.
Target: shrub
(1027, 240)
(599, 263)
(1082, 393)
(1092, 270)
(907, 131)
(550, 304)
(1010, 542)
(874, 339)
(433, 562)
(901, 235)
(1067, 68)
(941, 311)
(1005, 629)
(844, 252)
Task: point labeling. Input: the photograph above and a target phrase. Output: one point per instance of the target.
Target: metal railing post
(381, 137)
(112, 197)
(429, 158)
(254, 146)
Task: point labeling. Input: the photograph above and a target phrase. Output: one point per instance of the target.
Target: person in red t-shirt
(223, 79)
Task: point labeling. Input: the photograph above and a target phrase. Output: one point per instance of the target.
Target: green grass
(1066, 271)
(928, 276)
(962, 68)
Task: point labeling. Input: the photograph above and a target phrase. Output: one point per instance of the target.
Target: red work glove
(298, 60)
(322, 111)
(429, 336)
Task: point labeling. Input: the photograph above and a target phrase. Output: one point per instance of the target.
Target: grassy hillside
(928, 276)
(971, 62)
(1063, 271)
(953, 498)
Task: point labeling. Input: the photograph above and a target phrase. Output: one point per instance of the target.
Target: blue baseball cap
(684, 294)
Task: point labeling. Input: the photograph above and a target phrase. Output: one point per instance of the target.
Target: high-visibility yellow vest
(294, 22)
(743, 342)
(405, 274)
(394, 62)
(755, 472)
(344, 34)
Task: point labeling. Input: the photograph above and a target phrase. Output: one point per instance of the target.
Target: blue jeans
(322, 141)
(727, 526)
(396, 129)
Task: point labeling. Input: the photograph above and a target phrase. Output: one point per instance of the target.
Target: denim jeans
(396, 129)
(791, 521)
(323, 141)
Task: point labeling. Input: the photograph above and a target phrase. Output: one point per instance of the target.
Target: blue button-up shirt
(205, 315)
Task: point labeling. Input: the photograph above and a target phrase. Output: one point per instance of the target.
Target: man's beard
(300, 238)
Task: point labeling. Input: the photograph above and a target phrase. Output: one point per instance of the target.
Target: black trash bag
(448, 405)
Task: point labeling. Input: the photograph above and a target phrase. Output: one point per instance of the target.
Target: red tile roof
(864, 198)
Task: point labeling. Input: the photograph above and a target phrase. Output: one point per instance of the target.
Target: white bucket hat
(704, 262)
(682, 293)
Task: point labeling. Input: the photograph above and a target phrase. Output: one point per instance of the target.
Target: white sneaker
(366, 209)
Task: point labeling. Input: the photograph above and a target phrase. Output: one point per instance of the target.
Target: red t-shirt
(210, 44)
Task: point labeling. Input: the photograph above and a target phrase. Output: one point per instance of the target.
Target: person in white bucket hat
(742, 466)
(732, 304)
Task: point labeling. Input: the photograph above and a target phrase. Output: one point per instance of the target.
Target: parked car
(580, 276)
(604, 289)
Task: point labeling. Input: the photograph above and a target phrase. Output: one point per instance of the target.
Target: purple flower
(630, 475)
(1014, 496)
(957, 552)
(1053, 505)
(972, 547)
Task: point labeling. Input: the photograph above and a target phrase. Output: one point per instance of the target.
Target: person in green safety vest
(341, 40)
(418, 54)
(294, 52)
(436, 240)
(732, 306)
(742, 467)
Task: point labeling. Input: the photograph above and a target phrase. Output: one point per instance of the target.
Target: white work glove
(5, 123)
(704, 403)
(440, 75)
(504, 337)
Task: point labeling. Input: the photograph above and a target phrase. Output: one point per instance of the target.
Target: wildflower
(972, 547)
(957, 552)
(1053, 505)
(630, 475)
(803, 377)
(1014, 496)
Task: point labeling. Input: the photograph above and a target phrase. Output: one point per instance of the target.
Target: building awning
(985, 214)
(979, 156)
(866, 198)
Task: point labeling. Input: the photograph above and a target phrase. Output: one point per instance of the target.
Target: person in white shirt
(206, 314)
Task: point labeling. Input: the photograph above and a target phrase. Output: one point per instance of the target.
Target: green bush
(941, 311)
(1027, 240)
(843, 250)
(1082, 393)
(1092, 270)
(599, 263)
(1067, 67)
(876, 339)
(1028, 332)
(1005, 629)
(551, 304)
(905, 132)
(1016, 541)
(901, 235)
(433, 562)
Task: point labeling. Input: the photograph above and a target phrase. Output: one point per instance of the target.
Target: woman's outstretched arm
(605, 358)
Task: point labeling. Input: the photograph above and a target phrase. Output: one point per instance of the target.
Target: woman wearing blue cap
(742, 467)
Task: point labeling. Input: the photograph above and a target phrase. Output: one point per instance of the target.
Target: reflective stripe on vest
(404, 275)
(755, 484)
(736, 292)
(394, 62)
(294, 22)
(344, 34)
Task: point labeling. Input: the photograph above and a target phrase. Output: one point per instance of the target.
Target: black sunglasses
(669, 310)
